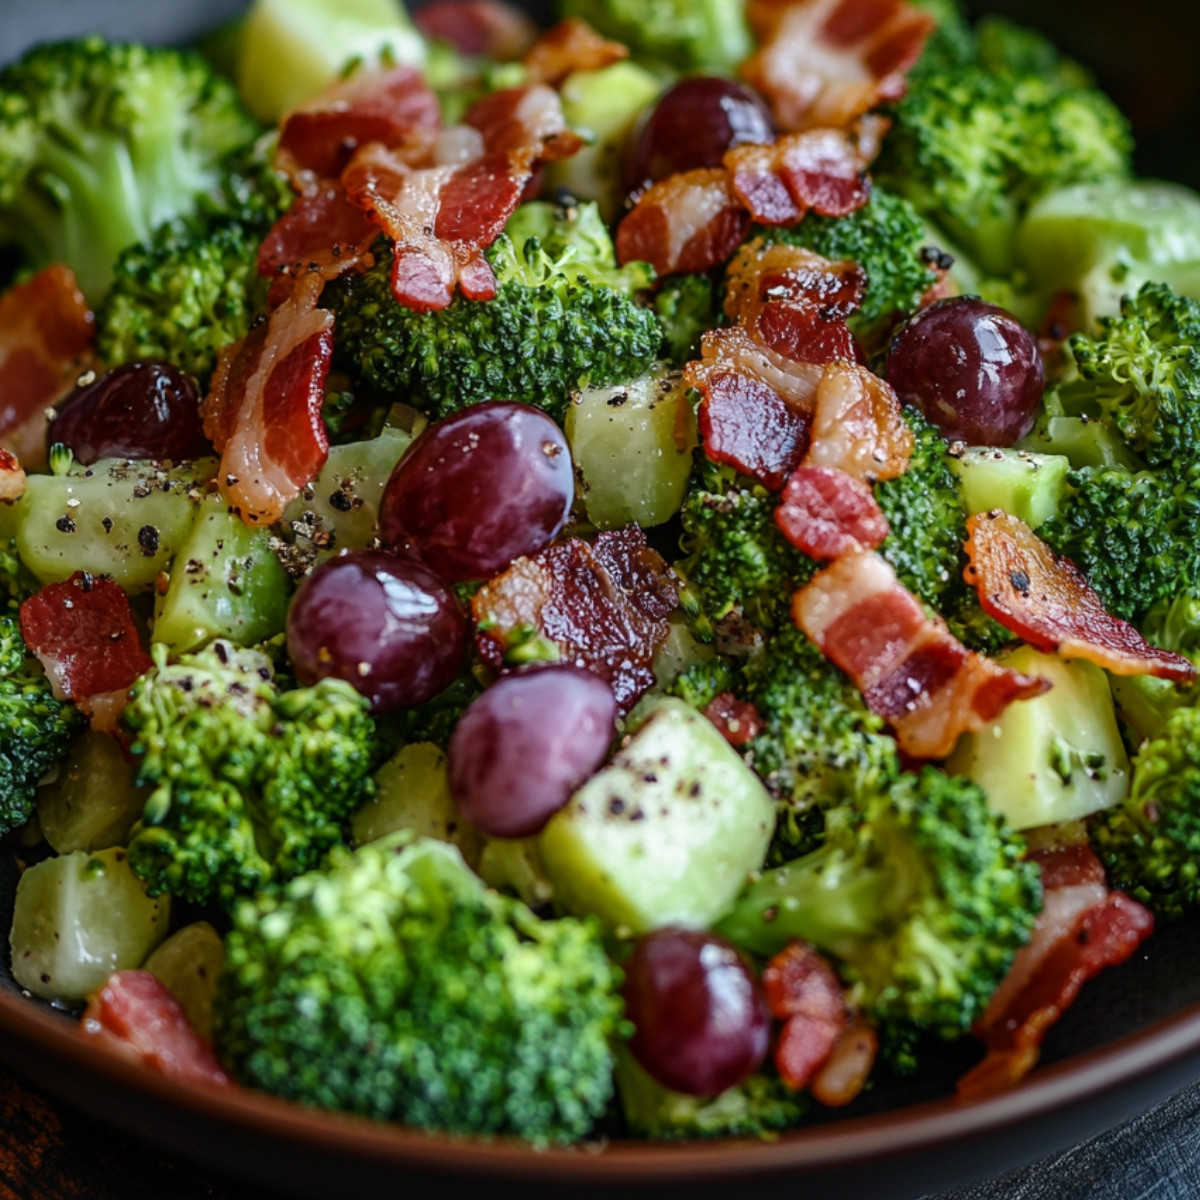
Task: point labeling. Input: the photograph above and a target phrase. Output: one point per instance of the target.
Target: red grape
(700, 1019)
(692, 125)
(138, 410)
(479, 489)
(971, 368)
(522, 748)
(382, 623)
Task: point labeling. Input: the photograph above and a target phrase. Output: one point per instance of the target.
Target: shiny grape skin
(972, 369)
(382, 623)
(692, 125)
(521, 749)
(700, 1019)
(479, 489)
(138, 410)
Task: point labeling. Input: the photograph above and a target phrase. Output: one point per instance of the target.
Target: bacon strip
(83, 633)
(858, 426)
(322, 232)
(1082, 929)
(46, 331)
(318, 139)
(478, 28)
(910, 669)
(604, 604)
(825, 62)
(803, 991)
(691, 221)
(135, 1013)
(824, 170)
(1047, 601)
(443, 216)
(826, 514)
(571, 45)
(263, 412)
(12, 477)
(738, 720)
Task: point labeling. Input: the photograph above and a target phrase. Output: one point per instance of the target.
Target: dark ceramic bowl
(1132, 1039)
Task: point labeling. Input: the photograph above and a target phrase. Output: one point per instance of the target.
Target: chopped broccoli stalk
(1151, 843)
(252, 785)
(688, 35)
(564, 318)
(888, 240)
(102, 142)
(396, 986)
(757, 1107)
(687, 308)
(974, 147)
(820, 745)
(35, 728)
(920, 895)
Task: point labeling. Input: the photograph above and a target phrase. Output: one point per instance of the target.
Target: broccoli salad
(622, 580)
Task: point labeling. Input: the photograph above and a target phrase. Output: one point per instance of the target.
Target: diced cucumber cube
(188, 964)
(1027, 485)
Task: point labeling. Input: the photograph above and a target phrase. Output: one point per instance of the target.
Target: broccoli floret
(102, 142)
(758, 1107)
(35, 728)
(687, 308)
(395, 985)
(564, 318)
(888, 240)
(1003, 46)
(252, 785)
(919, 894)
(1151, 842)
(737, 558)
(952, 43)
(820, 745)
(688, 35)
(973, 149)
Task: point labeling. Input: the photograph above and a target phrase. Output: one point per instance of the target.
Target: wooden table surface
(51, 1152)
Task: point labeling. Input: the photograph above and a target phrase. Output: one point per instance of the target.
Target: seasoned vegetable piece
(1027, 485)
(188, 964)
(666, 833)
(79, 918)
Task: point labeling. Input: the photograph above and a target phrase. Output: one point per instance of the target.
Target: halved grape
(479, 489)
(693, 124)
(522, 748)
(384, 624)
(972, 368)
(700, 1019)
(137, 410)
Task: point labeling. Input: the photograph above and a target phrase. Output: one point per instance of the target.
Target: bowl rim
(851, 1141)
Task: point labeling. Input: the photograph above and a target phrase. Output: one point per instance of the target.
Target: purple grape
(971, 368)
(693, 124)
(700, 1019)
(522, 748)
(138, 410)
(479, 489)
(383, 624)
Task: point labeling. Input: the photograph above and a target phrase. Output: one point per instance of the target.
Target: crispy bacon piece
(844, 1073)
(319, 138)
(263, 412)
(738, 720)
(691, 221)
(858, 426)
(442, 216)
(1082, 929)
(83, 633)
(823, 169)
(1047, 601)
(803, 991)
(46, 331)
(825, 62)
(478, 28)
(136, 1014)
(571, 45)
(605, 604)
(12, 477)
(827, 513)
(909, 668)
(321, 232)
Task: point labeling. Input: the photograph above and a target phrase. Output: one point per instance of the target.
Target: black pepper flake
(148, 540)
(1020, 582)
(340, 501)
(107, 522)
(64, 525)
